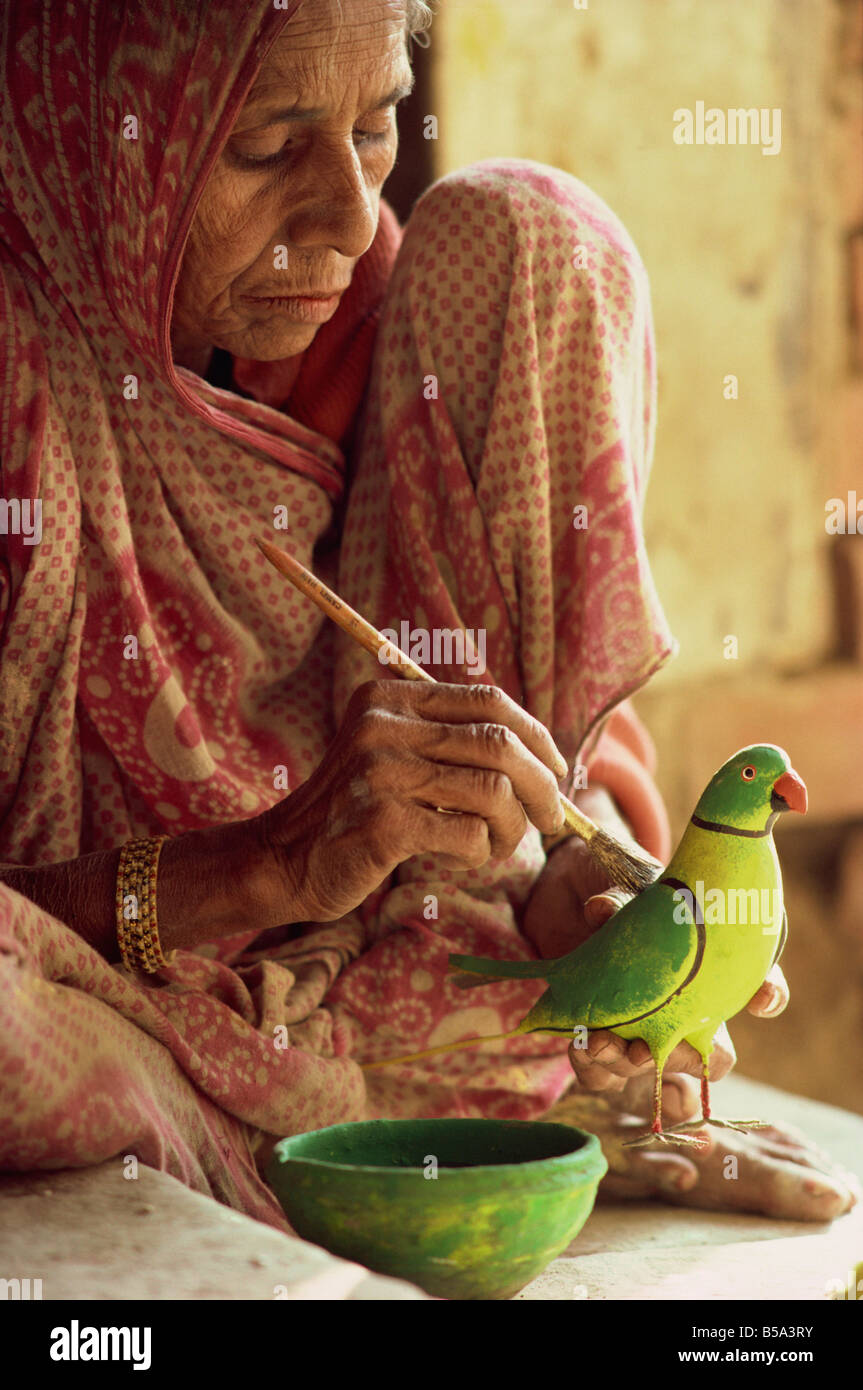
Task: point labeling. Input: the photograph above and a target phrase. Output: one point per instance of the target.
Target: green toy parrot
(692, 949)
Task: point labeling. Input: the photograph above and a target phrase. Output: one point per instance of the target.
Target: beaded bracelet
(137, 931)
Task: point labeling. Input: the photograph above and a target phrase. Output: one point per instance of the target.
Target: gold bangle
(137, 930)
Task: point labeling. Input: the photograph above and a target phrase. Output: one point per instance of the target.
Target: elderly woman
(214, 330)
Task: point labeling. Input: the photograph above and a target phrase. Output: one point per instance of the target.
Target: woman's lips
(302, 308)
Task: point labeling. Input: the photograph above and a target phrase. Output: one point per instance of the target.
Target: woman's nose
(336, 208)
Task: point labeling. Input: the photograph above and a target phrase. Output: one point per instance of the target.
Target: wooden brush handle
(374, 641)
(342, 615)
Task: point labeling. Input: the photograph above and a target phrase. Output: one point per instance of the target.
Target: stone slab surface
(90, 1234)
(653, 1252)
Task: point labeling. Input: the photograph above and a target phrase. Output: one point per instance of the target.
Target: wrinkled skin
(404, 750)
(313, 184)
(779, 1172)
(318, 193)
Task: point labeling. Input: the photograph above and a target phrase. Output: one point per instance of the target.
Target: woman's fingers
(607, 1062)
(684, 1058)
(595, 1079)
(776, 1171)
(414, 767)
(603, 905)
(790, 1181)
(650, 1174)
(496, 748)
(553, 918)
(440, 702)
(483, 792)
(603, 1064)
(723, 1057)
(792, 1146)
(681, 1097)
(437, 729)
(777, 1186)
(772, 997)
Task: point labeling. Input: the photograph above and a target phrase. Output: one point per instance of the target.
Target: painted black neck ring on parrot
(735, 829)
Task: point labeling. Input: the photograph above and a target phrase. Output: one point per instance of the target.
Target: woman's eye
(250, 160)
(371, 137)
(259, 158)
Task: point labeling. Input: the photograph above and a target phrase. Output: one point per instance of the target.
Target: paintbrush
(624, 867)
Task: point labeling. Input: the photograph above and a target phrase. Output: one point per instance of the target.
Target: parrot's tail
(447, 1047)
(502, 969)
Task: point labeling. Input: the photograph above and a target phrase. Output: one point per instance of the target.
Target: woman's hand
(405, 752)
(609, 1063)
(573, 896)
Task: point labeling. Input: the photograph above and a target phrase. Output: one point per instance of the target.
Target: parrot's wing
(638, 960)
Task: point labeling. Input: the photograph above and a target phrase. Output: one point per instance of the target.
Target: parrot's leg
(741, 1125)
(656, 1134)
(706, 1117)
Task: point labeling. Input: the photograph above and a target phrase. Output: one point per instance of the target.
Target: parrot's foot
(665, 1137)
(740, 1125)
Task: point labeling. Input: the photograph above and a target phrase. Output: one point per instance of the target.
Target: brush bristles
(632, 872)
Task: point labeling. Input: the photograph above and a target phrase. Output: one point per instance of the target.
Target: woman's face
(302, 170)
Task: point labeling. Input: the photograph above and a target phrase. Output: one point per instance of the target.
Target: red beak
(792, 789)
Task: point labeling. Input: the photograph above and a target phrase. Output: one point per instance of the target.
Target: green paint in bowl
(508, 1197)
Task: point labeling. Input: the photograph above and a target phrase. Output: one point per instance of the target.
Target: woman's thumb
(603, 905)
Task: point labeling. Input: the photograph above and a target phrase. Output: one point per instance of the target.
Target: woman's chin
(271, 344)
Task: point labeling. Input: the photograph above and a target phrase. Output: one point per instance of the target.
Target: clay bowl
(508, 1197)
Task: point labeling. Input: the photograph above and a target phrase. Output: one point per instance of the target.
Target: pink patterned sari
(154, 485)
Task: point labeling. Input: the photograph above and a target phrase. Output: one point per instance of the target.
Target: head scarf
(154, 673)
(147, 653)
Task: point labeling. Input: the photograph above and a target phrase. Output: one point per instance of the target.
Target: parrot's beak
(790, 791)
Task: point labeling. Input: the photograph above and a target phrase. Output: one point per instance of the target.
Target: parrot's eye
(748, 773)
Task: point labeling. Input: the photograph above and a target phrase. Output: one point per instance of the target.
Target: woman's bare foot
(774, 1171)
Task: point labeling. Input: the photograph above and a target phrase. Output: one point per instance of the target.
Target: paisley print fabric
(153, 669)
